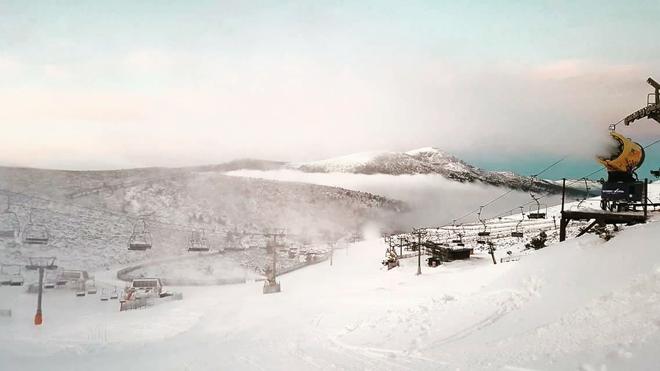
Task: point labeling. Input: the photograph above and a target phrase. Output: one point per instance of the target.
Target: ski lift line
(527, 223)
(486, 204)
(33, 197)
(542, 197)
(550, 166)
(128, 218)
(131, 219)
(602, 168)
(568, 184)
(510, 190)
(579, 179)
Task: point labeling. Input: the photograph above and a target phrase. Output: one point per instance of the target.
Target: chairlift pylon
(140, 239)
(35, 234)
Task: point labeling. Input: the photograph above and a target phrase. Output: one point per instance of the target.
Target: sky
(505, 85)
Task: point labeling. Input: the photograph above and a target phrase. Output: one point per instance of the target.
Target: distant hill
(89, 214)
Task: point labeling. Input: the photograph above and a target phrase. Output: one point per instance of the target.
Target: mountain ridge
(425, 160)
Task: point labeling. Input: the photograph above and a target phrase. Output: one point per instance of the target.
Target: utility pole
(491, 251)
(40, 264)
(332, 251)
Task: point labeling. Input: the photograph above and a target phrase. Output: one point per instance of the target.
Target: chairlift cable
(130, 218)
(510, 190)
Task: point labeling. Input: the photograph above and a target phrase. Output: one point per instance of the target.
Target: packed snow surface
(584, 304)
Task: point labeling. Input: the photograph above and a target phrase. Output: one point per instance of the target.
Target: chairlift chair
(586, 193)
(35, 234)
(140, 239)
(11, 277)
(5, 275)
(91, 289)
(49, 281)
(455, 240)
(459, 239)
(483, 233)
(517, 233)
(60, 279)
(198, 242)
(17, 280)
(9, 225)
(536, 214)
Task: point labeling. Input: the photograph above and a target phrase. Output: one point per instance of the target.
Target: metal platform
(601, 217)
(605, 216)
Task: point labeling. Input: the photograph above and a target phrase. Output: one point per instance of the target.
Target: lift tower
(40, 264)
(652, 109)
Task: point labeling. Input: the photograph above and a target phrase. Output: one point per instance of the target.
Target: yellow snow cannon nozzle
(627, 157)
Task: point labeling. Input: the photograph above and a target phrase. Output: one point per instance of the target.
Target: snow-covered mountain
(426, 160)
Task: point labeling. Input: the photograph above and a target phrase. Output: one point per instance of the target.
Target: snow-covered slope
(426, 160)
(584, 304)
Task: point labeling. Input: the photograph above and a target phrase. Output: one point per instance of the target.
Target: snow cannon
(627, 157)
(622, 190)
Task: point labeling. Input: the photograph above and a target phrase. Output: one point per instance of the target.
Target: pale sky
(102, 85)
